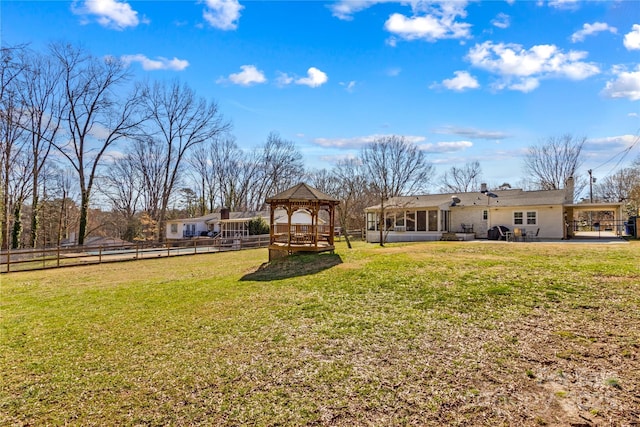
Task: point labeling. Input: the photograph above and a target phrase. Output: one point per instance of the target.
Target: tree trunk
(5, 220)
(160, 225)
(16, 233)
(5, 204)
(35, 216)
(84, 214)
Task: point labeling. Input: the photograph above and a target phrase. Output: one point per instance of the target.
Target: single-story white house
(548, 214)
(227, 224)
(223, 223)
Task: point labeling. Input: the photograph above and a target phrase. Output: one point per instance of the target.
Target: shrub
(258, 225)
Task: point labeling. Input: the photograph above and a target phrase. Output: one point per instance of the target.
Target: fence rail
(39, 259)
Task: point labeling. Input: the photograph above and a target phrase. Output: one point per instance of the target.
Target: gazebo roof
(302, 192)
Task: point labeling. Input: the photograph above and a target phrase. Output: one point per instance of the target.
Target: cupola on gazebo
(302, 229)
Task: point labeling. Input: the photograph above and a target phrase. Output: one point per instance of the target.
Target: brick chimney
(569, 188)
(224, 213)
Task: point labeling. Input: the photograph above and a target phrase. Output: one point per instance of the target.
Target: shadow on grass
(293, 266)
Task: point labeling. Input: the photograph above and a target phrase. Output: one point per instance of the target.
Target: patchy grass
(411, 334)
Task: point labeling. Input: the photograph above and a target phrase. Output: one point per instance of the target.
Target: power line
(622, 153)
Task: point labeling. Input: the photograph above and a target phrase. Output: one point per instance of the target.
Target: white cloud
(348, 86)
(619, 142)
(632, 39)
(626, 84)
(472, 133)
(525, 85)
(633, 114)
(159, 63)
(391, 41)
(446, 147)
(521, 69)
(284, 79)
(462, 81)
(222, 14)
(345, 9)
(360, 141)
(336, 158)
(314, 78)
(502, 20)
(564, 4)
(100, 131)
(591, 29)
(109, 13)
(249, 75)
(440, 22)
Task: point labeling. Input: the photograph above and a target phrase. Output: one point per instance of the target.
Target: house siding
(469, 216)
(549, 220)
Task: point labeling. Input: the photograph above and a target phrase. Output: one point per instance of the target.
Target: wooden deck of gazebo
(288, 238)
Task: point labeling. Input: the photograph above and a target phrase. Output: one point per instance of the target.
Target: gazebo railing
(300, 233)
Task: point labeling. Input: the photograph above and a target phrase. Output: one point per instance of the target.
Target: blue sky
(465, 80)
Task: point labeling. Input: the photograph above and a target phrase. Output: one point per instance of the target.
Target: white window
(372, 221)
(174, 228)
(485, 215)
(517, 218)
(525, 218)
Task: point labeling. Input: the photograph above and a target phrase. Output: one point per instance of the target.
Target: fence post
(168, 250)
(137, 246)
(58, 256)
(8, 259)
(44, 262)
(195, 246)
(100, 255)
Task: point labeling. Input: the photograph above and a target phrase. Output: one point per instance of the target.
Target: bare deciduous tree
(11, 129)
(393, 167)
(179, 121)
(42, 101)
(550, 163)
(94, 116)
(281, 167)
(462, 179)
(226, 172)
(121, 186)
(149, 155)
(353, 193)
(323, 180)
(623, 186)
(202, 175)
(237, 174)
(20, 190)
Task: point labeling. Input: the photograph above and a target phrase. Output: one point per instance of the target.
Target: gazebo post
(332, 223)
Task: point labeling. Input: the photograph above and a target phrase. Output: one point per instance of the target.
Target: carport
(594, 220)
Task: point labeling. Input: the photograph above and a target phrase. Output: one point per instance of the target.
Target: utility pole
(590, 186)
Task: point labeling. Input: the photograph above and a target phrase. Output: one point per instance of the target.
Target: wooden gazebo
(289, 235)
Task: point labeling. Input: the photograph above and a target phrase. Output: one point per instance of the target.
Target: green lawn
(469, 333)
